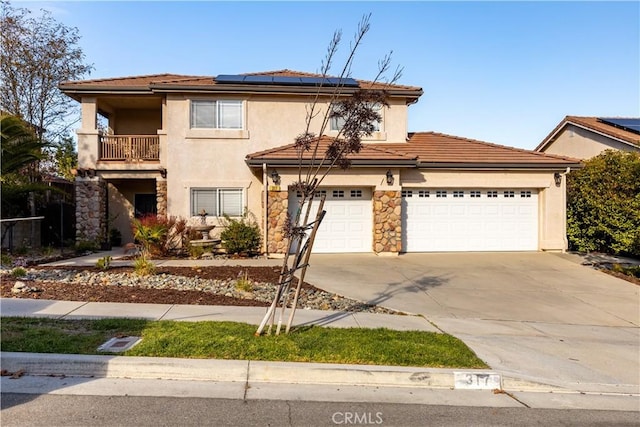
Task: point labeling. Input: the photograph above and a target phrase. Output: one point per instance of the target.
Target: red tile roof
(593, 124)
(436, 150)
(178, 81)
(370, 154)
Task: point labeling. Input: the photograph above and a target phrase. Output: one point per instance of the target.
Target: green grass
(230, 340)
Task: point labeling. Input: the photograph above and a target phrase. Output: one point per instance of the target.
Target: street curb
(98, 366)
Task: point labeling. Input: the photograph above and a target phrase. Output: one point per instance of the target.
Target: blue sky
(503, 72)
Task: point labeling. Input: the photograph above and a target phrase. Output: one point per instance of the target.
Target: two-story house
(178, 145)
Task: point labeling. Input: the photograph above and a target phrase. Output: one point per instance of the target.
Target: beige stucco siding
(136, 122)
(198, 158)
(580, 143)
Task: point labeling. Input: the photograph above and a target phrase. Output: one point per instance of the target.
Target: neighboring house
(586, 137)
(181, 144)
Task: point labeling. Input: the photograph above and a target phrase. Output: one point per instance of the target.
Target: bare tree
(357, 112)
(37, 54)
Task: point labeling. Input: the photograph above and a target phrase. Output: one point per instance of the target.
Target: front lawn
(230, 340)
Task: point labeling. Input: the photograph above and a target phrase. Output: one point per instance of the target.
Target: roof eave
(227, 88)
(355, 163)
(498, 166)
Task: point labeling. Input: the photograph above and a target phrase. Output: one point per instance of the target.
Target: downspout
(564, 204)
(265, 202)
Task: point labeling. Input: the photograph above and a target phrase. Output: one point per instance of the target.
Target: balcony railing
(129, 148)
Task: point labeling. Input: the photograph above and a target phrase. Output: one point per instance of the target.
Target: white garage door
(347, 225)
(469, 220)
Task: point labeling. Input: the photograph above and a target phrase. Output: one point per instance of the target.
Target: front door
(145, 204)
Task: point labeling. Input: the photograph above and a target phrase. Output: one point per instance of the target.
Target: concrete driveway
(541, 316)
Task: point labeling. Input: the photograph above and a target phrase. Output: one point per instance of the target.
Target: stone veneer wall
(91, 205)
(278, 204)
(161, 196)
(387, 214)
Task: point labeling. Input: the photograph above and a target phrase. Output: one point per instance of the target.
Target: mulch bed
(131, 294)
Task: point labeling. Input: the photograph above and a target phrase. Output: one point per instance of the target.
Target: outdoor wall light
(389, 177)
(557, 178)
(275, 177)
(163, 172)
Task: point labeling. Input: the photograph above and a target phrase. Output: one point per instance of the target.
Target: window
(338, 194)
(458, 194)
(356, 194)
(220, 114)
(509, 194)
(474, 193)
(441, 193)
(525, 194)
(217, 201)
(423, 193)
(407, 193)
(492, 194)
(338, 122)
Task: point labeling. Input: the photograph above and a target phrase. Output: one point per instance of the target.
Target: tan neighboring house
(586, 137)
(179, 144)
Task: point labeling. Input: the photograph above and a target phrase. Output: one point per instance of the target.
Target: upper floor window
(338, 122)
(219, 114)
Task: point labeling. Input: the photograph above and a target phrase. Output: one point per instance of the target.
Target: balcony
(130, 148)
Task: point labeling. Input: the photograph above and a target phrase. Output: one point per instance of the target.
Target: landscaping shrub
(241, 236)
(160, 235)
(144, 267)
(603, 204)
(18, 272)
(104, 263)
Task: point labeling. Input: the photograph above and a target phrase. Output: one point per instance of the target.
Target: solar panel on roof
(229, 78)
(629, 124)
(258, 79)
(286, 80)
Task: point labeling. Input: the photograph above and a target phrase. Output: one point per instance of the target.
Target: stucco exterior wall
(581, 143)
(216, 158)
(136, 122)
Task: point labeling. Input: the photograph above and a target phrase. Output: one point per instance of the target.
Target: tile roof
(433, 150)
(594, 124)
(369, 154)
(179, 81)
(130, 81)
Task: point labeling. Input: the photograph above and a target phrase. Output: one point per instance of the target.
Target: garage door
(469, 220)
(347, 226)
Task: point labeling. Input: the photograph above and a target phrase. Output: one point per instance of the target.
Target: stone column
(387, 217)
(91, 207)
(161, 196)
(277, 206)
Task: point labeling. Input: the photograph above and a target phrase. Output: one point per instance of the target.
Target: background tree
(64, 157)
(20, 149)
(603, 204)
(37, 54)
